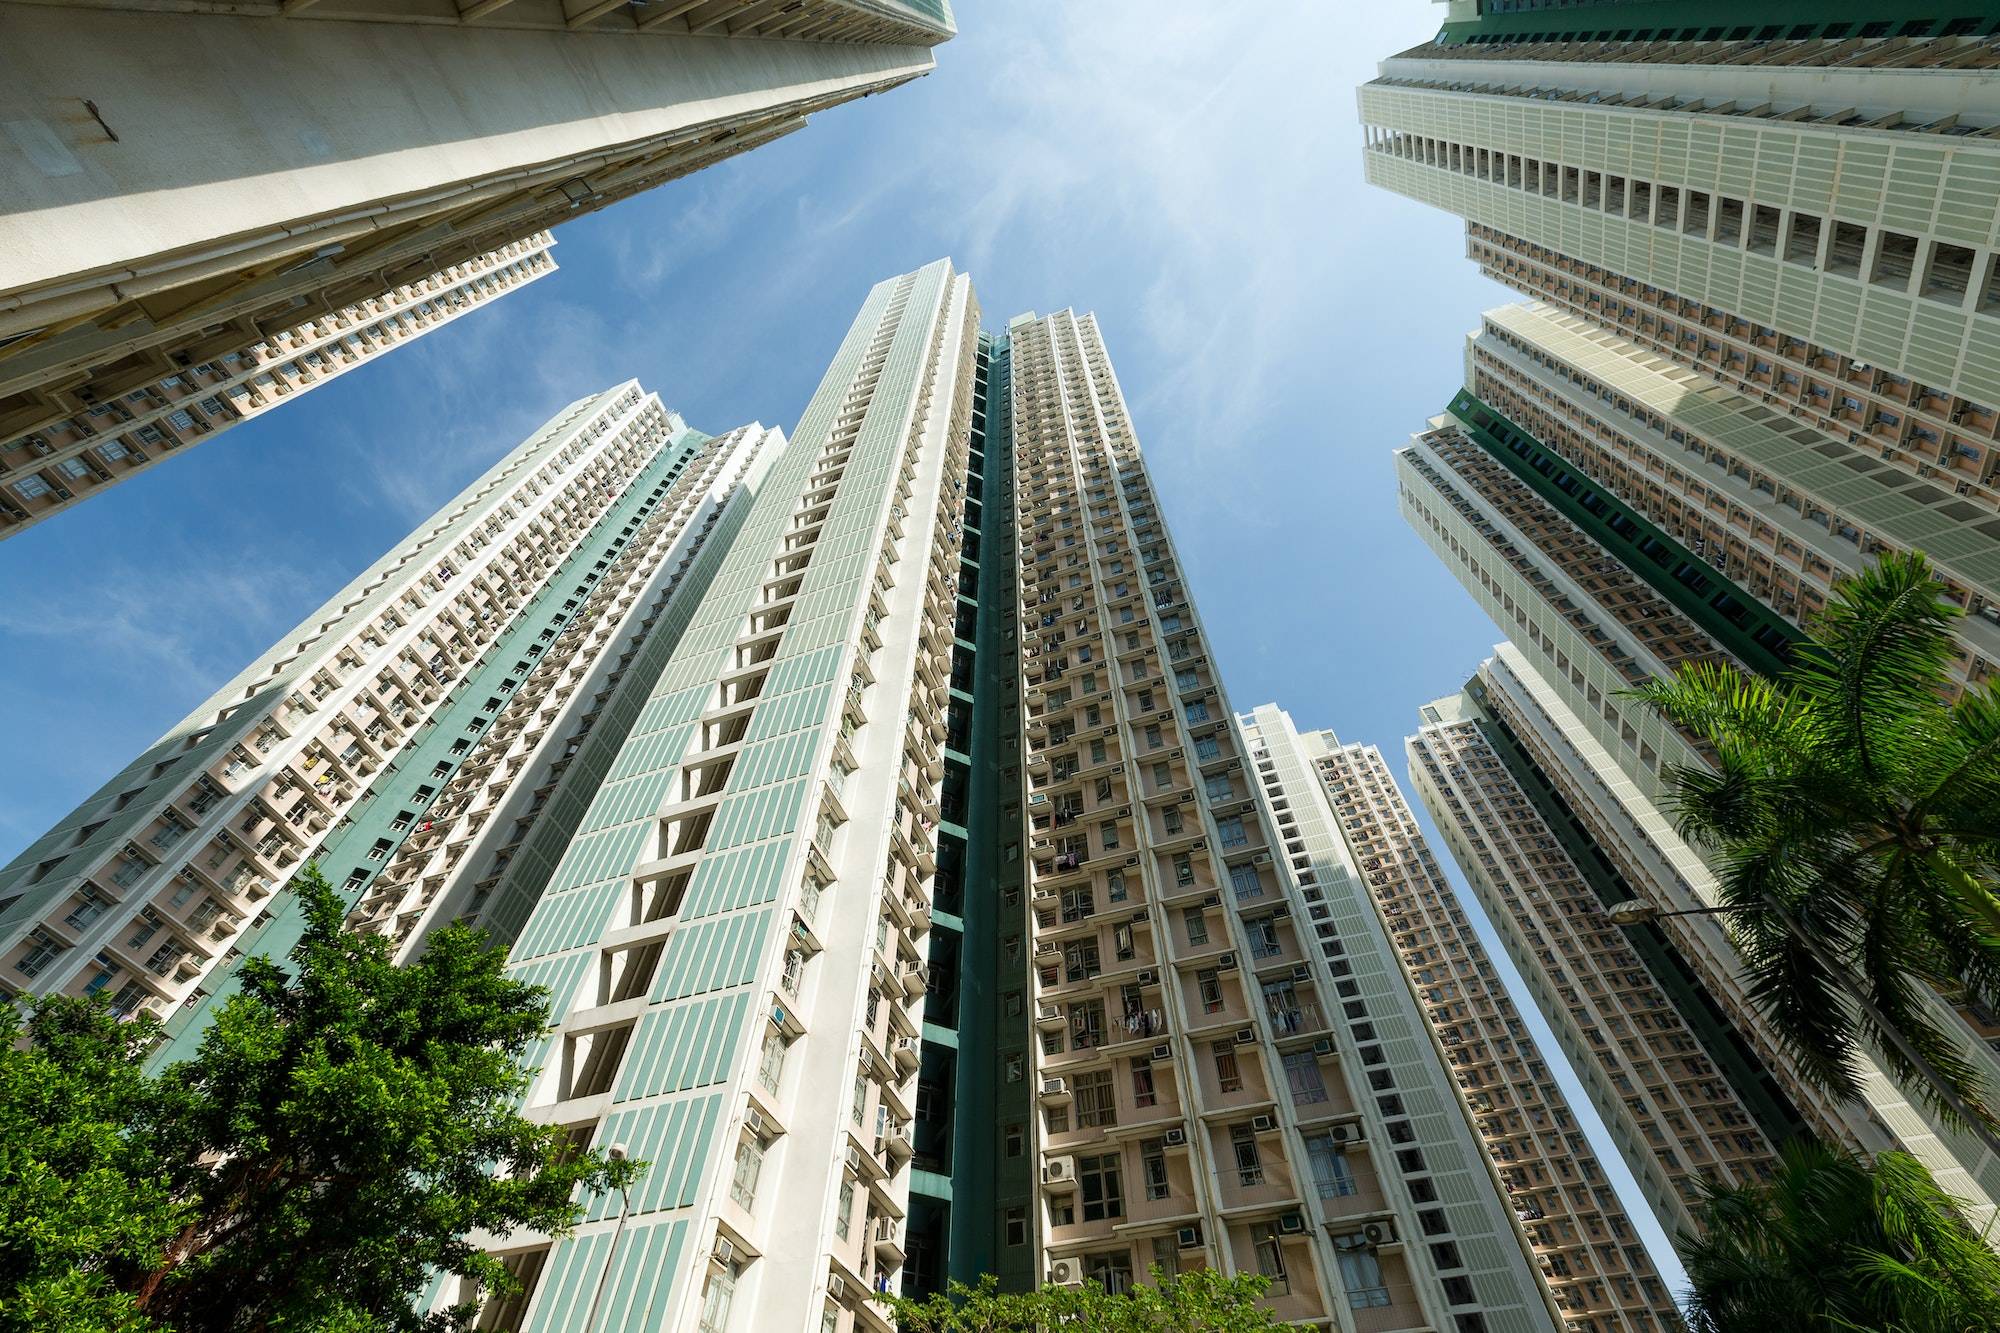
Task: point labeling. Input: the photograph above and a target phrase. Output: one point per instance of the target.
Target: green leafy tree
(84, 1208)
(1855, 820)
(343, 1128)
(1832, 1244)
(1201, 1301)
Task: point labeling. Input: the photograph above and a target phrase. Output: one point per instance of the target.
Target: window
(1228, 1077)
(1096, 1103)
(771, 1063)
(1196, 922)
(1332, 1174)
(1163, 775)
(1153, 1167)
(143, 929)
(1361, 1275)
(1209, 982)
(1142, 1086)
(717, 1299)
(1100, 1187)
(31, 488)
(90, 905)
(1017, 1226)
(1230, 831)
(1219, 788)
(1302, 1074)
(1249, 1161)
(43, 949)
(1245, 879)
(1206, 748)
(1197, 711)
(1107, 833)
(843, 1213)
(749, 1166)
(1270, 1256)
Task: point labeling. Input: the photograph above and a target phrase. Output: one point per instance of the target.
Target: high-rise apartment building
(357, 718)
(870, 806)
(1681, 1095)
(1761, 351)
(57, 454)
(360, 149)
(1223, 1076)
(1594, 1263)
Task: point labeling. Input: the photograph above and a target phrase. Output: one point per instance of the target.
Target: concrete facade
(1596, 1269)
(351, 149)
(59, 461)
(149, 885)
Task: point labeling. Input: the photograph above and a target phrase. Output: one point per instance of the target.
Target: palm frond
(1880, 649)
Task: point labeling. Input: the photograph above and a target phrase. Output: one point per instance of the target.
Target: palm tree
(1853, 814)
(1831, 1243)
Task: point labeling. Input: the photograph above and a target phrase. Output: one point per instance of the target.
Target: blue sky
(1192, 174)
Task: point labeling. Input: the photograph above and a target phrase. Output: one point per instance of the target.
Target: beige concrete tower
(1226, 1076)
(1590, 1257)
(1673, 1084)
(180, 182)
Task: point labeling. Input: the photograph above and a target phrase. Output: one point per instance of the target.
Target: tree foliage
(1832, 1244)
(345, 1125)
(1855, 820)
(1200, 1301)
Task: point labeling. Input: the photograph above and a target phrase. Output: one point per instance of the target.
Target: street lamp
(616, 1152)
(1639, 912)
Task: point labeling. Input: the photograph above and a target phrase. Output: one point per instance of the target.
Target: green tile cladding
(352, 853)
(697, 1031)
(1757, 635)
(1870, 178)
(1710, 20)
(963, 1182)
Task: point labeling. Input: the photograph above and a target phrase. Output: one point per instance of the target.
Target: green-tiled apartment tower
(963, 1180)
(1762, 244)
(668, 501)
(734, 938)
(345, 729)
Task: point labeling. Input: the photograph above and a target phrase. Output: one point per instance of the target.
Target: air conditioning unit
(1379, 1233)
(1148, 977)
(1292, 1224)
(1281, 912)
(855, 1158)
(1301, 973)
(1227, 962)
(1189, 1238)
(753, 1120)
(1058, 1170)
(1201, 844)
(1132, 861)
(1212, 900)
(1138, 916)
(1063, 1271)
(836, 1287)
(1261, 859)
(1245, 1036)
(1323, 1046)
(725, 1250)
(1345, 1133)
(1049, 1011)
(1176, 1137)
(1163, 1052)
(1263, 1124)
(1055, 1087)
